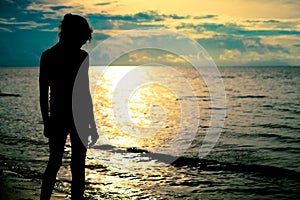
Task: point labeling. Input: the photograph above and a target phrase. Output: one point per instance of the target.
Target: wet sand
(14, 186)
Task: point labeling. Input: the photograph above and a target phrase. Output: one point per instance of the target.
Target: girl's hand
(94, 136)
(47, 129)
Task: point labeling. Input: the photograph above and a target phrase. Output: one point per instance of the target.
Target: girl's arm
(44, 94)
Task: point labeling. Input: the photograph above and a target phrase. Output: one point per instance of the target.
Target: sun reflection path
(135, 114)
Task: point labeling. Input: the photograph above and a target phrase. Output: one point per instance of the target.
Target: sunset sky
(234, 33)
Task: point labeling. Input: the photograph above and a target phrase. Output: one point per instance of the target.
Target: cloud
(264, 32)
(247, 42)
(246, 50)
(59, 7)
(206, 17)
(5, 29)
(252, 58)
(147, 56)
(104, 21)
(236, 29)
(52, 10)
(154, 44)
(11, 23)
(232, 55)
(105, 3)
(136, 18)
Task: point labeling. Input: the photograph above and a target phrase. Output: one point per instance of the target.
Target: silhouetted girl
(59, 67)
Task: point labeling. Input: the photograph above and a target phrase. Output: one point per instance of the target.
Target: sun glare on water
(134, 110)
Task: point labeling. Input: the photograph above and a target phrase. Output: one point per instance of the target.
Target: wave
(276, 126)
(250, 97)
(192, 97)
(229, 77)
(22, 140)
(213, 165)
(208, 165)
(289, 110)
(292, 111)
(9, 95)
(277, 137)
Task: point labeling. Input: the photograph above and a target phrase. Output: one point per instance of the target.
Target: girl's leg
(77, 165)
(56, 146)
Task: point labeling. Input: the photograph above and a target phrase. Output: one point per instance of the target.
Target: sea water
(256, 157)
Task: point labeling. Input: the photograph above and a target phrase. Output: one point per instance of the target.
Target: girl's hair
(75, 27)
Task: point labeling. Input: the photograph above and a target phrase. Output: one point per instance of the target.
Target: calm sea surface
(139, 113)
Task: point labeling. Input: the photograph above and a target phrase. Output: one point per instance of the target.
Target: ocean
(140, 117)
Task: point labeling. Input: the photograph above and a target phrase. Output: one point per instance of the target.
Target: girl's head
(74, 30)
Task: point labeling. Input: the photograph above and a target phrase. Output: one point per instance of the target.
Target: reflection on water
(142, 107)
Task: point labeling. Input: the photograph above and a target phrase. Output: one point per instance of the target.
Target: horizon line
(27, 66)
